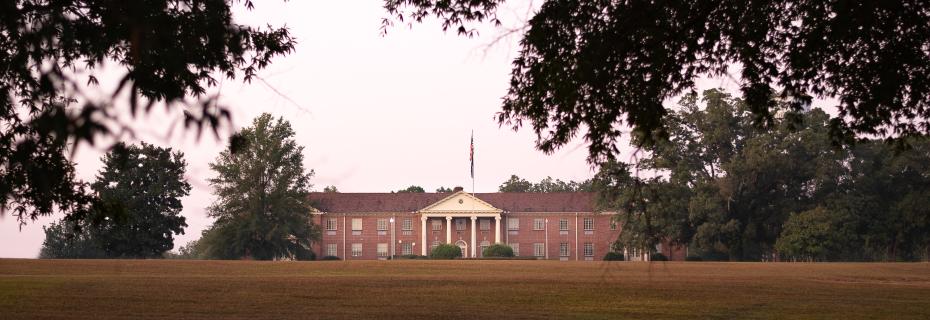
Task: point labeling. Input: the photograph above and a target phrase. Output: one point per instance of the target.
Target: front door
(464, 247)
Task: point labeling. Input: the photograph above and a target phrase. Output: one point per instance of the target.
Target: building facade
(556, 226)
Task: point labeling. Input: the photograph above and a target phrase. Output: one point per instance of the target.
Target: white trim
(428, 208)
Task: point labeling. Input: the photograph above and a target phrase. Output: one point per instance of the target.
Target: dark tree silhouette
(171, 53)
(140, 190)
(412, 189)
(593, 67)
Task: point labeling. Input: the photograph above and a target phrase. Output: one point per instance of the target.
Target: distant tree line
(262, 208)
(728, 189)
(517, 184)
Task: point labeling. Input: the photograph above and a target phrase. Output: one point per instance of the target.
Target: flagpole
(473, 162)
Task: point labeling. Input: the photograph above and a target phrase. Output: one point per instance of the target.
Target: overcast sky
(375, 113)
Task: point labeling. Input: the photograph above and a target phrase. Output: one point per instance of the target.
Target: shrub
(693, 258)
(305, 255)
(409, 257)
(658, 257)
(498, 250)
(330, 258)
(446, 251)
(613, 256)
(715, 256)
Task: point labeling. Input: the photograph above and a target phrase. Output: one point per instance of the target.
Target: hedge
(613, 256)
(498, 250)
(658, 257)
(446, 251)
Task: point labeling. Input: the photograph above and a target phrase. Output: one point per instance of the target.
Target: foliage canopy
(262, 206)
(169, 52)
(600, 66)
(138, 212)
(722, 185)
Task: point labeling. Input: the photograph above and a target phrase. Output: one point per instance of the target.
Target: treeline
(262, 208)
(728, 189)
(546, 185)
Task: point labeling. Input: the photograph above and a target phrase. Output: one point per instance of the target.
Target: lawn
(139, 289)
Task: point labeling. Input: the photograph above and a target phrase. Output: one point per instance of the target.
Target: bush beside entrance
(446, 251)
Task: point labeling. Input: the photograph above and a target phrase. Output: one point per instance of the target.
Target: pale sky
(375, 113)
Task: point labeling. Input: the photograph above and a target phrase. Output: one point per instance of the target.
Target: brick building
(562, 226)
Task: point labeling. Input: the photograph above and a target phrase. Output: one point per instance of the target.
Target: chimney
(457, 189)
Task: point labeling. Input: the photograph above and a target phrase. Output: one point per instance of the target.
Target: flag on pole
(471, 154)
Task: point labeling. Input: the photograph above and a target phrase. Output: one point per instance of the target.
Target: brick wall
(369, 237)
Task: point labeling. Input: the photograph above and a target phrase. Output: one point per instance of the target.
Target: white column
(449, 230)
(423, 233)
(497, 229)
(474, 225)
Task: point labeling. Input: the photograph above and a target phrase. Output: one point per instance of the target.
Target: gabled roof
(411, 202)
(476, 203)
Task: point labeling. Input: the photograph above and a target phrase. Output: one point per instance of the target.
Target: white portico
(460, 205)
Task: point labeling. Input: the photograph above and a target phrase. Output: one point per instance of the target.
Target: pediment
(460, 202)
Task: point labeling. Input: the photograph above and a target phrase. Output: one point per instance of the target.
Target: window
(539, 224)
(356, 224)
(356, 249)
(613, 225)
(588, 249)
(539, 249)
(484, 224)
(513, 223)
(484, 245)
(382, 224)
(563, 249)
(589, 224)
(407, 225)
(382, 250)
(406, 248)
(516, 249)
(563, 224)
(435, 244)
(331, 224)
(460, 224)
(331, 249)
(437, 225)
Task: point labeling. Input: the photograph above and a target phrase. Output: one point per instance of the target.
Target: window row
(539, 249)
(332, 249)
(540, 224)
(332, 224)
(513, 224)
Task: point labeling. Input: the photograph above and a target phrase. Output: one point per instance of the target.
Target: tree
(64, 240)
(443, 190)
(146, 184)
(604, 65)
(516, 184)
(807, 236)
(170, 53)
(138, 211)
(547, 185)
(412, 189)
(262, 208)
(331, 189)
(726, 187)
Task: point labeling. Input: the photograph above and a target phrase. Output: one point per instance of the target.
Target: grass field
(89, 289)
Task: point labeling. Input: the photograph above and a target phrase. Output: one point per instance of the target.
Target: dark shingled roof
(409, 202)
